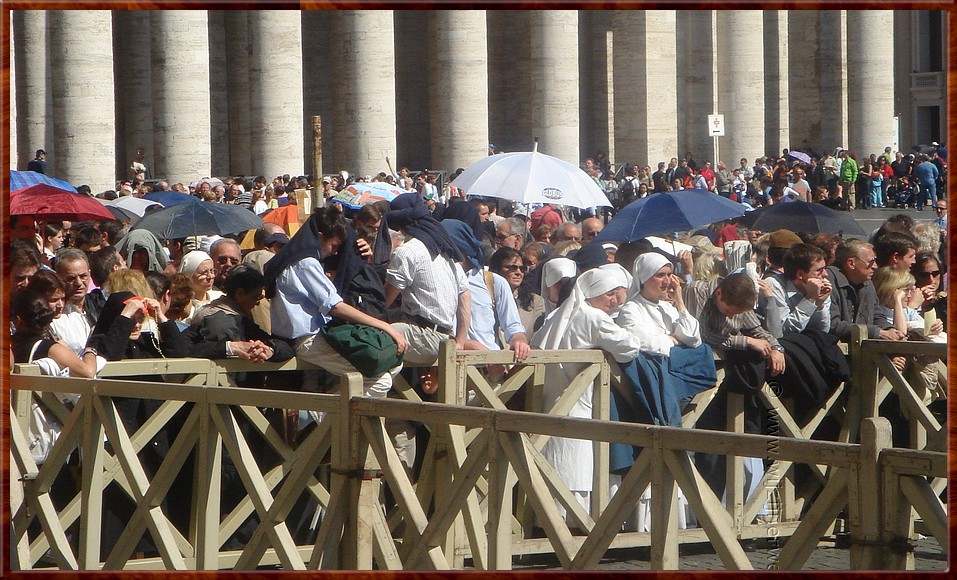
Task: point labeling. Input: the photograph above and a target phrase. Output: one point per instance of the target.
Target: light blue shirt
(304, 297)
(482, 327)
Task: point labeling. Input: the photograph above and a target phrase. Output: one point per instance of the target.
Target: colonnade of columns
(234, 91)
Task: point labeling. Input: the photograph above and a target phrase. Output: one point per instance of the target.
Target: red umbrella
(45, 202)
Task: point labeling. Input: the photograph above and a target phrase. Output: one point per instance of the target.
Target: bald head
(590, 228)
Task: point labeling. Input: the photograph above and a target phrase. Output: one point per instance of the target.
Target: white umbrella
(531, 177)
(134, 205)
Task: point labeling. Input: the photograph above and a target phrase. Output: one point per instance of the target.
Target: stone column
(777, 92)
(84, 126)
(181, 108)
(135, 90)
(804, 62)
(218, 93)
(870, 94)
(833, 65)
(365, 120)
(458, 88)
(646, 99)
(34, 128)
(741, 83)
(511, 91)
(555, 110)
(275, 93)
(694, 31)
(238, 47)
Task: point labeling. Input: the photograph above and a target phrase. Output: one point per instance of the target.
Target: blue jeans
(927, 191)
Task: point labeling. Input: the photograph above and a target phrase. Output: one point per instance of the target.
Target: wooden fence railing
(481, 488)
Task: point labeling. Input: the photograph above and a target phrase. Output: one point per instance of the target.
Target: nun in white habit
(658, 325)
(553, 272)
(584, 320)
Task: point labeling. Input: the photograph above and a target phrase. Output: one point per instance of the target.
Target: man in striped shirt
(751, 355)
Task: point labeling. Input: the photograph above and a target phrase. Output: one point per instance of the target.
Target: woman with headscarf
(426, 270)
(304, 301)
(658, 324)
(584, 320)
(199, 266)
(143, 251)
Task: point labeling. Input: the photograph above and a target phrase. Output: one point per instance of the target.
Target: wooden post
(858, 386)
(734, 464)
(865, 501)
(451, 391)
(91, 489)
(320, 200)
(664, 512)
(601, 462)
(206, 490)
(347, 464)
(499, 508)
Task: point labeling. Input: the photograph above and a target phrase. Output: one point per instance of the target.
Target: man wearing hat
(39, 163)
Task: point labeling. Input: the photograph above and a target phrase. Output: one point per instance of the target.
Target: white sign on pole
(716, 125)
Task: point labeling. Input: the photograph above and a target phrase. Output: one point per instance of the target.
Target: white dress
(587, 328)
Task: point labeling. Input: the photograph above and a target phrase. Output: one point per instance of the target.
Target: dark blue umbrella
(24, 179)
(673, 211)
(810, 218)
(199, 218)
(169, 198)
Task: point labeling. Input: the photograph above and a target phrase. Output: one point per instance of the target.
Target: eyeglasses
(203, 273)
(501, 236)
(933, 273)
(870, 262)
(515, 267)
(940, 208)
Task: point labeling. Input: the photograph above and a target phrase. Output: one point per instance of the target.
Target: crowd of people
(403, 277)
(841, 180)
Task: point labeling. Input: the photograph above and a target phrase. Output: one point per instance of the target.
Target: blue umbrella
(24, 179)
(199, 218)
(169, 198)
(673, 211)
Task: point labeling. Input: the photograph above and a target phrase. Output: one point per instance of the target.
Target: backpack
(627, 190)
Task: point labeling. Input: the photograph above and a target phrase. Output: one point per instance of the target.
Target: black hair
(242, 277)
(159, 282)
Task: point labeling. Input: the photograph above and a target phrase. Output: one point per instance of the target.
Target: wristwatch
(778, 348)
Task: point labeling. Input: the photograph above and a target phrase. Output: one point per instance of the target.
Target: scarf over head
(465, 212)
(192, 260)
(646, 266)
(143, 240)
(552, 272)
(591, 255)
(554, 333)
(408, 213)
(465, 241)
(305, 244)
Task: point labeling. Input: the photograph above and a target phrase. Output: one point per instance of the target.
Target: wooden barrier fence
(482, 488)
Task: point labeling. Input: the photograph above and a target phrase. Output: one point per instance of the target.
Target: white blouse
(653, 325)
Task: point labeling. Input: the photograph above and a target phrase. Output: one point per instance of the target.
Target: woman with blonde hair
(127, 280)
(894, 289)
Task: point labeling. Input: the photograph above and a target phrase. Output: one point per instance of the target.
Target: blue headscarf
(465, 240)
(408, 212)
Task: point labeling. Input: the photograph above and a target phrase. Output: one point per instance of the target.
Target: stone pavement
(928, 556)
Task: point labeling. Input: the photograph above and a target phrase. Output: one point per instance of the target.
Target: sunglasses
(940, 208)
(515, 267)
(933, 273)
